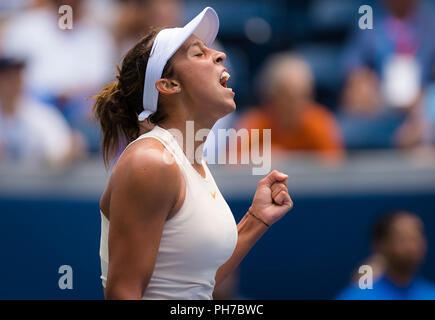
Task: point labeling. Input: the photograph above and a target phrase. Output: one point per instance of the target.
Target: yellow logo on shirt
(213, 194)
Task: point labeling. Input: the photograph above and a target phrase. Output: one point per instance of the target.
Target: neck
(401, 278)
(193, 134)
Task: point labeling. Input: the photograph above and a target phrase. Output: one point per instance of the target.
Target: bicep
(139, 208)
(133, 245)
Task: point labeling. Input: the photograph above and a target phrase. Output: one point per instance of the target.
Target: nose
(219, 57)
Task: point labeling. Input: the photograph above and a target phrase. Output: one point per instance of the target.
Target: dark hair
(119, 103)
(382, 226)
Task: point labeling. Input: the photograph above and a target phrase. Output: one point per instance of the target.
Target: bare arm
(250, 230)
(142, 197)
(271, 202)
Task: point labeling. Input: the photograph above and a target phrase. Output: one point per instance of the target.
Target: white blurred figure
(60, 62)
(30, 132)
(64, 66)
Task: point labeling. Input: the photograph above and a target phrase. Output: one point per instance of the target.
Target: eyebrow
(196, 43)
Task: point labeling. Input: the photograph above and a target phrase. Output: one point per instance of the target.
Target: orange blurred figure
(287, 107)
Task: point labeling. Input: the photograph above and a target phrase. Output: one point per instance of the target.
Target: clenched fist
(271, 200)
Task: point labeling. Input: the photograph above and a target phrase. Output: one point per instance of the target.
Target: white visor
(205, 26)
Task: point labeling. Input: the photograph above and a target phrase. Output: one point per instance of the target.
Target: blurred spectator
(64, 66)
(285, 85)
(364, 121)
(136, 17)
(29, 130)
(399, 246)
(401, 52)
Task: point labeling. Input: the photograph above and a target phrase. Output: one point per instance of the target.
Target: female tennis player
(166, 231)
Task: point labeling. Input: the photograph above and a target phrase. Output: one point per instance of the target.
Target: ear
(167, 86)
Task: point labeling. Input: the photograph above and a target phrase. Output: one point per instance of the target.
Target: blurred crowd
(385, 97)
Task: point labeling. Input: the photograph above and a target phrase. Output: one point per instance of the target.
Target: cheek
(199, 80)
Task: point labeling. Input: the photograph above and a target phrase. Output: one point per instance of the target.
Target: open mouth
(224, 78)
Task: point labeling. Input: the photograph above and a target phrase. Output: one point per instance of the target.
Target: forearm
(249, 230)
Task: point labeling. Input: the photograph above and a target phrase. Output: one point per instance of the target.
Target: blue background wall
(310, 254)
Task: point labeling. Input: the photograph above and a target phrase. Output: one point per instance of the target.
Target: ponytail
(119, 103)
(119, 123)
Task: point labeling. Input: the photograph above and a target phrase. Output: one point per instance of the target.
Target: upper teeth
(225, 76)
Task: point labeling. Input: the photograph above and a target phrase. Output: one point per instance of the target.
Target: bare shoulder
(147, 158)
(147, 168)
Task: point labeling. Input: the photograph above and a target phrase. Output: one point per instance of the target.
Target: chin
(233, 105)
(229, 107)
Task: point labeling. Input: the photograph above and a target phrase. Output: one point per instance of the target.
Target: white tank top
(195, 242)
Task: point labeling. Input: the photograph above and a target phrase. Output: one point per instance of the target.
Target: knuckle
(282, 188)
(279, 189)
